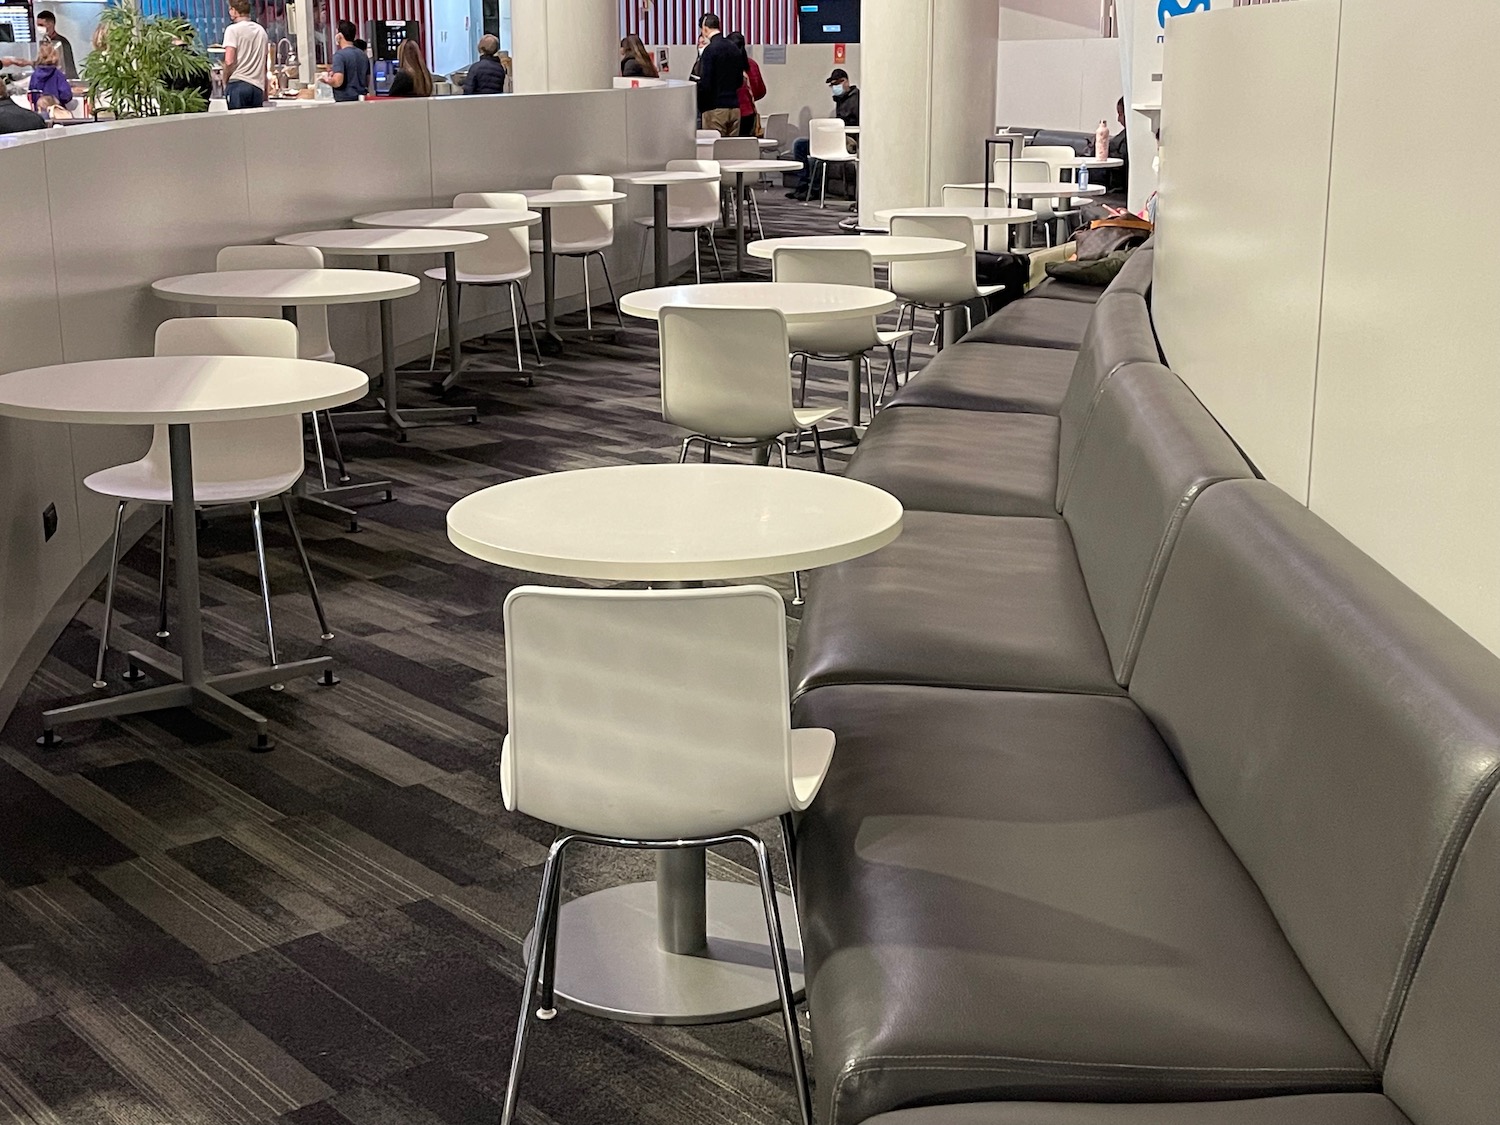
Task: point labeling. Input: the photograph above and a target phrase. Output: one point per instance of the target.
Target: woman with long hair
(635, 60)
(413, 79)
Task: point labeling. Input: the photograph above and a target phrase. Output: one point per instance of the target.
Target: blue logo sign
(1179, 8)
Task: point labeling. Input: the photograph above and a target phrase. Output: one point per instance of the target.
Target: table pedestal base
(212, 698)
(609, 961)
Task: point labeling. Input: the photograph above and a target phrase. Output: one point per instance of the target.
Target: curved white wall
(95, 213)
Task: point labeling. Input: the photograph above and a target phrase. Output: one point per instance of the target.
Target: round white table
(742, 168)
(979, 216)
(799, 302)
(546, 200)
(285, 290)
(382, 245)
(882, 248)
(1080, 166)
(644, 952)
(177, 391)
(659, 182)
(478, 219)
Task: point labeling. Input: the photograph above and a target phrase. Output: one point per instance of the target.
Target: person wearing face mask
(846, 109)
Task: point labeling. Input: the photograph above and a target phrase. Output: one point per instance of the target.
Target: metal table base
(682, 950)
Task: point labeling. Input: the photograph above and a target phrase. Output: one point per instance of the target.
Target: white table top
(979, 216)
(1086, 162)
(371, 242)
(168, 389)
(444, 218)
(655, 178)
(674, 522)
(881, 247)
(553, 198)
(1046, 191)
(732, 166)
(800, 302)
(286, 287)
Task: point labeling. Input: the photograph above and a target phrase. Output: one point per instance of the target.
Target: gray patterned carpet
(328, 934)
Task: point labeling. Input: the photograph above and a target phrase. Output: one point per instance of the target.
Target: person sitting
(48, 79)
(17, 118)
(487, 75)
(1117, 180)
(413, 79)
(635, 60)
(846, 109)
(51, 111)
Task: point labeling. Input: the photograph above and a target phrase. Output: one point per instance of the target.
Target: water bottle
(1101, 140)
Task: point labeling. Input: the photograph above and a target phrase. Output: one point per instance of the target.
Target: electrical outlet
(49, 522)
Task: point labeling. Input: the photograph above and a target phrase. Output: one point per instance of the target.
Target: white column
(928, 99)
(564, 44)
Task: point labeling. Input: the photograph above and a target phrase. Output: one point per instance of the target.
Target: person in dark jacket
(48, 78)
(413, 79)
(17, 119)
(635, 60)
(846, 109)
(721, 68)
(487, 76)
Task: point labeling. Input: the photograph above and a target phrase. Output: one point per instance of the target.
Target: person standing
(247, 54)
(721, 69)
(752, 89)
(487, 75)
(349, 73)
(46, 26)
(635, 60)
(47, 79)
(413, 79)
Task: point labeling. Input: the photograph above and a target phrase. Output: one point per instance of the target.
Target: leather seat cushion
(957, 600)
(1016, 896)
(1036, 323)
(1310, 1109)
(1054, 290)
(997, 377)
(980, 463)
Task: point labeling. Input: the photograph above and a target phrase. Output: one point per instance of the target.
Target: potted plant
(141, 65)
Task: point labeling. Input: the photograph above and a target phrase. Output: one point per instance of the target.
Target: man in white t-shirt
(246, 54)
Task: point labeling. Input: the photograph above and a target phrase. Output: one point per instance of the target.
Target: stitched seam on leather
(1433, 896)
(1014, 690)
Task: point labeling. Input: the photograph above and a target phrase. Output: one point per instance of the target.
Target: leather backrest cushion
(1339, 729)
(1118, 333)
(1148, 453)
(1137, 274)
(1445, 1062)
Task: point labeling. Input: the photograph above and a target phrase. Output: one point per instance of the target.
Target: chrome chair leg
(265, 577)
(312, 586)
(546, 1006)
(515, 323)
(588, 298)
(818, 450)
(714, 246)
(338, 452)
(783, 978)
(613, 300)
(802, 394)
(755, 210)
(697, 264)
(162, 631)
(640, 265)
(318, 446)
(530, 331)
(436, 324)
(109, 597)
(796, 588)
(687, 445)
(528, 988)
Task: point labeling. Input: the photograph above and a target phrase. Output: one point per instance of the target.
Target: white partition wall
(1058, 83)
(1245, 152)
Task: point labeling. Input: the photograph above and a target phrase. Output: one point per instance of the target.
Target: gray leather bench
(1264, 886)
(1021, 601)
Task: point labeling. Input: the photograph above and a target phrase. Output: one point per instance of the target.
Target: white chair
(724, 379)
(690, 207)
(584, 233)
(937, 285)
(704, 139)
(778, 127)
(827, 143)
(503, 258)
(739, 148)
(627, 730)
(312, 325)
(1037, 171)
(233, 463)
(834, 340)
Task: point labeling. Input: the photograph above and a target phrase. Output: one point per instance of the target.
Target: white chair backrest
(828, 267)
(312, 320)
(1051, 154)
(735, 148)
(826, 139)
(778, 127)
(707, 136)
(724, 372)
(583, 226)
(1034, 171)
(935, 281)
(233, 451)
(647, 714)
(961, 195)
(693, 205)
(505, 250)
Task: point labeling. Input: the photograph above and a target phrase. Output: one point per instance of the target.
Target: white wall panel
(1247, 126)
(1407, 454)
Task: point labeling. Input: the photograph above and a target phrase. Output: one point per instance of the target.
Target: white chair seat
(812, 754)
(685, 223)
(889, 338)
(144, 482)
(807, 419)
(586, 246)
(438, 273)
(988, 290)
